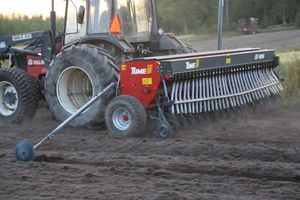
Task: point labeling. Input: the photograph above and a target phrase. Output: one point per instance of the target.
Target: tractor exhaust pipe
(53, 19)
(25, 150)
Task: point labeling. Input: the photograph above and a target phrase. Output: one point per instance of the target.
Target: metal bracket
(167, 102)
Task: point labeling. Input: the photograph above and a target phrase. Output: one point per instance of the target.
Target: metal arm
(76, 114)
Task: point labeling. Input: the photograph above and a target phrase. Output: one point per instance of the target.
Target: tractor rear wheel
(76, 75)
(19, 95)
(125, 116)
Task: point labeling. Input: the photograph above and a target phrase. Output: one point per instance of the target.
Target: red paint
(125, 118)
(132, 80)
(36, 66)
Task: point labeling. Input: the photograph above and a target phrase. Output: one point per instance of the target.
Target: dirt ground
(243, 155)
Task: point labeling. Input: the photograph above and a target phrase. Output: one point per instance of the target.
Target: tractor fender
(168, 41)
(122, 44)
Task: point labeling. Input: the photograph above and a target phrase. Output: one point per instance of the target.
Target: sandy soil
(244, 156)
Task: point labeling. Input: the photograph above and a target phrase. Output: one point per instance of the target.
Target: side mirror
(80, 15)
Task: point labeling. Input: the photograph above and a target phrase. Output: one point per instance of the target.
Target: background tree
(186, 16)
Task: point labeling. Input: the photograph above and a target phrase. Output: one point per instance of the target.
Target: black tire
(164, 130)
(25, 95)
(136, 112)
(95, 63)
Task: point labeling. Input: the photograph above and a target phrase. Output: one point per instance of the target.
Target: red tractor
(156, 75)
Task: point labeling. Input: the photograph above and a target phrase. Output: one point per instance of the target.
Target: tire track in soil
(168, 165)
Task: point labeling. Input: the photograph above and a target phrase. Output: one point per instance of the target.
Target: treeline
(15, 24)
(201, 16)
(187, 16)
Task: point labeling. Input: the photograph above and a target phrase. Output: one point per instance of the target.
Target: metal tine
(221, 92)
(218, 92)
(241, 86)
(259, 83)
(238, 89)
(201, 104)
(189, 97)
(203, 93)
(180, 96)
(193, 95)
(197, 95)
(277, 79)
(247, 84)
(172, 97)
(176, 97)
(226, 82)
(256, 83)
(225, 91)
(214, 92)
(264, 76)
(261, 78)
(210, 102)
(247, 87)
(210, 86)
(219, 102)
(231, 100)
(232, 88)
(252, 84)
(185, 97)
(207, 94)
(274, 80)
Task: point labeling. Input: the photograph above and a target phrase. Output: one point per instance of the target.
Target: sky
(31, 7)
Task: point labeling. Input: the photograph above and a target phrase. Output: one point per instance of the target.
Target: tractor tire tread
(140, 115)
(28, 89)
(97, 63)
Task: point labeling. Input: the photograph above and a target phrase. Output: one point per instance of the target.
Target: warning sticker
(147, 81)
(123, 68)
(21, 37)
(2, 45)
(228, 61)
(149, 68)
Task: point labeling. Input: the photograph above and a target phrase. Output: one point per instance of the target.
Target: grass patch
(289, 70)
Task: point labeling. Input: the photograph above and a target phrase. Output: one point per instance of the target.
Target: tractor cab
(132, 19)
(130, 25)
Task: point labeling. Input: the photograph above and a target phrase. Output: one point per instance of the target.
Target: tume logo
(136, 71)
(192, 65)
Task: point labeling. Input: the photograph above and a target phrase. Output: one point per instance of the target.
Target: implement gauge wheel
(125, 116)
(19, 95)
